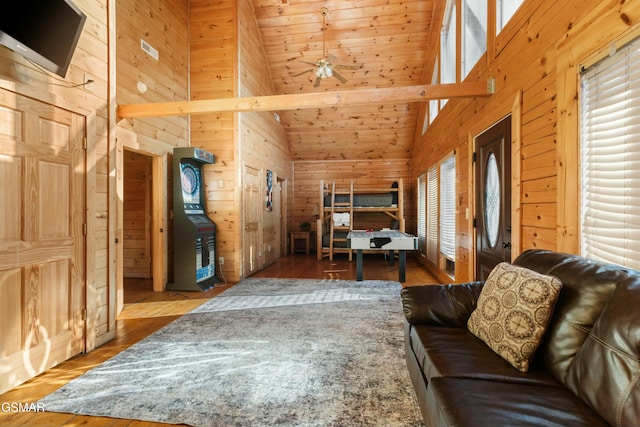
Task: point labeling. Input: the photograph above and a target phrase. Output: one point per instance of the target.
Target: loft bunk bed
(342, 204)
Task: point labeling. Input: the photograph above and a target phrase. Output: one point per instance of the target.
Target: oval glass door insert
(492, 201)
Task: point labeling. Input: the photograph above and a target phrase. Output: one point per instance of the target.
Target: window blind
(422, 214)
(432, 215)
(448, 208)
(610, 150)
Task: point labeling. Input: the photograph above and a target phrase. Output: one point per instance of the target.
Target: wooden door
(279, 210)
(252, 204)
(42, 246)
(282, 239)
(493, 198)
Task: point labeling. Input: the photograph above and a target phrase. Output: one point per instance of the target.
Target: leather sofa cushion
(587, 285)
(445, 305)
(606, 371)
(455, 352)
(474, 402)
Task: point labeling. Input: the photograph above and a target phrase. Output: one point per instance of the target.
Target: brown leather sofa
(586, 371)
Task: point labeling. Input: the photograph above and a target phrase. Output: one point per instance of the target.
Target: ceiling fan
(324, 67)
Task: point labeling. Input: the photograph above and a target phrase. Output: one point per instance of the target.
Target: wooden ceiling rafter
(297, 101)
(390, 41)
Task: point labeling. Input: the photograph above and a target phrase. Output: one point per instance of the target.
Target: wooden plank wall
(365, 173)
(213, 43)
(226, 61)
(164, 25)
(526, 61)
(262, 138)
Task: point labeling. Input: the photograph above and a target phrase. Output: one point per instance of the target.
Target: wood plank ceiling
(385, 40)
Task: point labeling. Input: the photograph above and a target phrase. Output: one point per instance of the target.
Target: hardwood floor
(146, 311)
(374, 267)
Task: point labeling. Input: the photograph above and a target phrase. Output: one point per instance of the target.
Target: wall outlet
(88, 83)
(221, 260)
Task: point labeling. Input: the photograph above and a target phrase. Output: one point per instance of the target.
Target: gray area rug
(267, 352)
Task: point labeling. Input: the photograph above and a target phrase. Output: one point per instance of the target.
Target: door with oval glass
(493, 197)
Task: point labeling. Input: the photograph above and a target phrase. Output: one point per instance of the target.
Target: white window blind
(422, 214)
(448, 208)
(432, 214)
(610, 143)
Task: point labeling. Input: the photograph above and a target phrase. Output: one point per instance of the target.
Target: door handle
(506, 245)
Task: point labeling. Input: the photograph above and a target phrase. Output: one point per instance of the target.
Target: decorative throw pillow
(513, 310)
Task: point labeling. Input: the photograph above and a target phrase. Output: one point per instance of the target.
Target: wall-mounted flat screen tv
(43, 31)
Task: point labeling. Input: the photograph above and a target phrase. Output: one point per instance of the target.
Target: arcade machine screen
(190, 179)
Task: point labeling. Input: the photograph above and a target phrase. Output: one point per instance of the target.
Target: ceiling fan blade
(346, 67)
(330, 58)
(339, 76)
(304, 72)
(317, 83)
(315, 64)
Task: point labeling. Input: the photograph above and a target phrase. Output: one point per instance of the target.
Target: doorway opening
(137, 218)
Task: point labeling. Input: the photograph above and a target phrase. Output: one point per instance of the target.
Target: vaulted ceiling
(384, 43)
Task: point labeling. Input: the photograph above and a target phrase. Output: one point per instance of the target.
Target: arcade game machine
(194, 234)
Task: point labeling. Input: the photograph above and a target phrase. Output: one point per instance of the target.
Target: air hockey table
(383, 240)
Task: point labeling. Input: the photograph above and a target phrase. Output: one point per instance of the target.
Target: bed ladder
(340, 207)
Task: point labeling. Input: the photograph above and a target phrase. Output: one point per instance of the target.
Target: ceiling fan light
(324, 72)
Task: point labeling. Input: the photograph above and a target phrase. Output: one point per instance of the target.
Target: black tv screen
(43, 31)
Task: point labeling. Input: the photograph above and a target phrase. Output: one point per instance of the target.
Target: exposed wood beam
(297, 101)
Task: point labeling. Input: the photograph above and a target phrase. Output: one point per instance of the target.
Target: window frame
(434, 104)
(448, 45)
(469, 59)
(503, 19)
